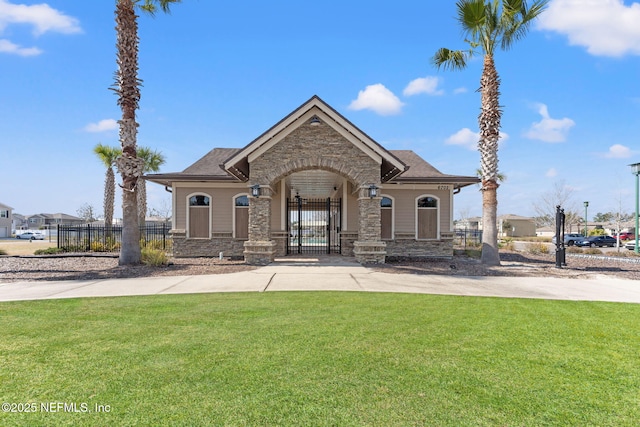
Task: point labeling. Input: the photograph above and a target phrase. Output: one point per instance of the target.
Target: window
(241, 217)
(386, 218)
(4, 214)
(427, 217)
(199, 216)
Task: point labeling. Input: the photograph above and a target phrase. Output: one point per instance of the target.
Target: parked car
(569, 238)
(30, 235)
(631, 245)
(600, 241)
(626, 236)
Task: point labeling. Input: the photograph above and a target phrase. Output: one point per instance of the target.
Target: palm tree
(152, 162)
(487, 26)
(108, 156)
(128, 91)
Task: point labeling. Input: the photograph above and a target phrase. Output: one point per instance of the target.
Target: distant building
(5, 220)
(516, 226)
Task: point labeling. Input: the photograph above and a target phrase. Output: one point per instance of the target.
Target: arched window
(386, 218)
(427, 217)
(241, 217)
(199, 217)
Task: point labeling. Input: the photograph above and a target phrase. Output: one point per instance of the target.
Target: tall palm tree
(108, 156)
(128, 91)
(487, 26)
(152, 162)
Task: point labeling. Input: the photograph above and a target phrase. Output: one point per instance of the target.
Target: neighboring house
(6, 214)
(474, 223)
(43, 220)
(516, 226)
(18, 222)
(313, 183)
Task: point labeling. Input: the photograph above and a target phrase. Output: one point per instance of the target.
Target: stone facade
(406, 246)
(220, 242)
(316, 146)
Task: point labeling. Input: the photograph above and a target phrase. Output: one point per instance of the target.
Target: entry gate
(313, 226)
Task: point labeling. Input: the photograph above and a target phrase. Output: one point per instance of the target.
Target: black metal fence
(467, 238)
(99, 238)
(313, 226)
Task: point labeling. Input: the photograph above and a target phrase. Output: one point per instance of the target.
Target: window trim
(233, 210)
(188, 213)
(393, 217)
(437, 208)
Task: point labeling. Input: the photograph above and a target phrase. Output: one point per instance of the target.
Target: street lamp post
(636, 171)
(586, 205)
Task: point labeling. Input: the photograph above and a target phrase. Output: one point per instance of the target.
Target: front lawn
(319, 359)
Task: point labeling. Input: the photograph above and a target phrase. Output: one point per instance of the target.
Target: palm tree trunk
(489, 121)
(129, 166)
(109, 197)
(142, 202)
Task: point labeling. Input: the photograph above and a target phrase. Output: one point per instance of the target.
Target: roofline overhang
(316, 106)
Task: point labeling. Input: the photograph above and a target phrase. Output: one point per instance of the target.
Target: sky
(218, 74)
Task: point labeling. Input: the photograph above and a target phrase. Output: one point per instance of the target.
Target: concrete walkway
(332, 274)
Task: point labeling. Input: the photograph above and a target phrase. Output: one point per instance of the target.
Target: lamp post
(636, 171)
(586, 233)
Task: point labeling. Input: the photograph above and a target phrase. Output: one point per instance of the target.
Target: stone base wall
(346, 241)
(369, 252)
(220, 242)
(408, 247)
(259, 252)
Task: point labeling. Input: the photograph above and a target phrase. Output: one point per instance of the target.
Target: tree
(152, 162)
(545, 206)
(127, 88)
(87, 212)
(108, 156)
(488, 25)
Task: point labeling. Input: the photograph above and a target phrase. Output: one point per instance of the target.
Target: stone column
(260, 249)
(369, 248)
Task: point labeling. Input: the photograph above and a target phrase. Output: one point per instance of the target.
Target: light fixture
(373, 191)
(255, 190)
(315, 121)
(586, 222)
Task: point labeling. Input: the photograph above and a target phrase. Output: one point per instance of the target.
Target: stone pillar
(260, 249)
(369, 248)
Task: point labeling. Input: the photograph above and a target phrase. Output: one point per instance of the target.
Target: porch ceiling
(313, 183)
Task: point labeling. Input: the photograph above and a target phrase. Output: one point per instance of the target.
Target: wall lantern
(373, 191)
(255, 190)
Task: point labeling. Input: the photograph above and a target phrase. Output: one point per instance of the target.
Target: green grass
(322, 359)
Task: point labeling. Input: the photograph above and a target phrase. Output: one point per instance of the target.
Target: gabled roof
(237, 164)
(422, 171)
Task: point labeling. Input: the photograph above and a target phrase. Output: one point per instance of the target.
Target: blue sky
(218, 74)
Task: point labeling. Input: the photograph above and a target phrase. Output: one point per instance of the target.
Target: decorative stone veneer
(314, 147)
(220, 242)
(406, 246)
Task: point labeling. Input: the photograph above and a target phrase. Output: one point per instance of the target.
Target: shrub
(507, 244)
(154, 257)
(573, 250)
(537, 248)
(596, 232)
(49, 251)
(3, 252)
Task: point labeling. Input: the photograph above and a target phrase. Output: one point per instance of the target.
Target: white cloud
(604, 27)
(102, 126)
(7, 47)
(618, 151)
(467, 138)
(551, 173)
(460, 90)
(41, 17)
(549, 129)
(379, 99)
(428, 85)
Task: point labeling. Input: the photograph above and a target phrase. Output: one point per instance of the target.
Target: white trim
(345, 205)
(415, 204)
(393, 214)
(283, 204)
(233, 212)
(198, 193)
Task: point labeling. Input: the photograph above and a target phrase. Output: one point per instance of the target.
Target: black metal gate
(314, 226)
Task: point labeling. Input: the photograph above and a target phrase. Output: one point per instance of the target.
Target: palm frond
(451, 59)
